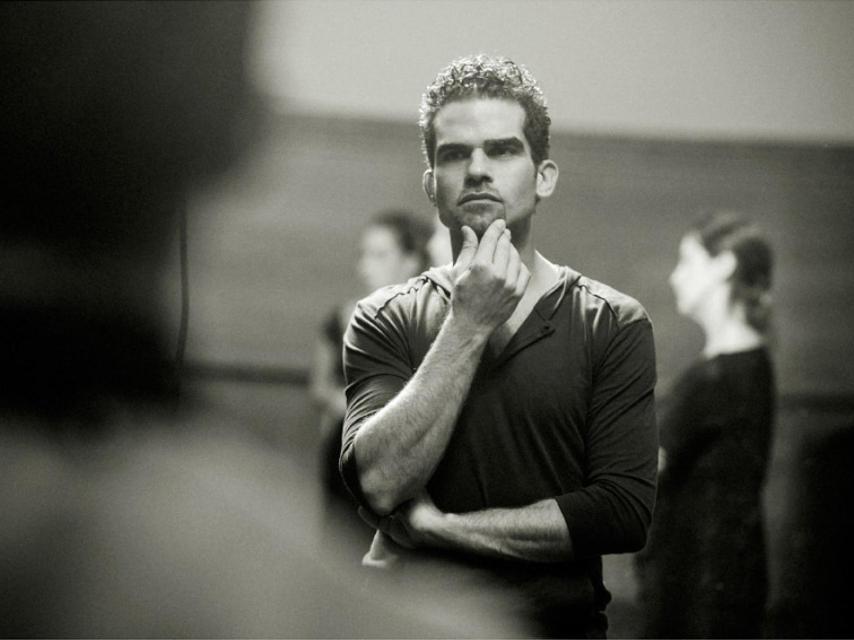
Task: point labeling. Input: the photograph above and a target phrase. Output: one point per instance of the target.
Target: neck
(523, 239)
(729, 332)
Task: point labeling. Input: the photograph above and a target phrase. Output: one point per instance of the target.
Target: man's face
(482, 164)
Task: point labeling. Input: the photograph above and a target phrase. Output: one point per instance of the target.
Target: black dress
(703, 572)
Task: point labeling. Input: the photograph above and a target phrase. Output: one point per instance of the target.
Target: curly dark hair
(489, 77)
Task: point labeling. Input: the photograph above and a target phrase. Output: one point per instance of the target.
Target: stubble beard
(478, 217)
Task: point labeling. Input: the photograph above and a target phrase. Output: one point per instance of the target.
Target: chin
(479, 222)
(479, 227)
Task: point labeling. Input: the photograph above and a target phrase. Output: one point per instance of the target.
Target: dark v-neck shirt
(565, 411)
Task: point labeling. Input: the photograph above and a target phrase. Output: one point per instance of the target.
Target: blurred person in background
(393, 248)
(703, 573)
(500, 409)
(123, 514)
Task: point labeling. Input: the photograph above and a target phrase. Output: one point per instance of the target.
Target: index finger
(468, 250)
(486, 248)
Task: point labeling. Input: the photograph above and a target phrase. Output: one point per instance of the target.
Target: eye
(452, 155)
(502, 150)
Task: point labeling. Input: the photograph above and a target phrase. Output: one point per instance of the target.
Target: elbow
(605, 520)
(632, 513)
(376, 485)
(379, 495)
(629, 529)
(634, 539)
(622, 539)
(634, 534)
(368, 482)
(382, 481)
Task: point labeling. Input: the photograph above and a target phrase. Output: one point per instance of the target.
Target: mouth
(478, 196)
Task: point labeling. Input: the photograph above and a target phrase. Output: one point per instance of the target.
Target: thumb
(468, 250)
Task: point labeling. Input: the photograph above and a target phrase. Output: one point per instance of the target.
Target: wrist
(435, 530)
(467, 330)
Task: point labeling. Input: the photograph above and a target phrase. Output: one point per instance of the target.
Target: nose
(477, 170)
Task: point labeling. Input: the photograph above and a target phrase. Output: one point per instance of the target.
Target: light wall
(778, 70)
(273, 243)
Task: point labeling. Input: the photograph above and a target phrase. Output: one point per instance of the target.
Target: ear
(547, 175)
(428, 181)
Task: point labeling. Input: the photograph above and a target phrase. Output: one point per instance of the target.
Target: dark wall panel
(273, 243)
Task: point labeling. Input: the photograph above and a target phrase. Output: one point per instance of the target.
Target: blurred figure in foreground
(393, 249)
(122, 515)
(703, 573)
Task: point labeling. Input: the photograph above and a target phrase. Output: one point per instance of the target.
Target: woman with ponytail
(703, 573)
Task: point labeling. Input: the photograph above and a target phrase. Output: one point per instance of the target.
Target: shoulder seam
(578, 282)
(401, 289)
(635, 321)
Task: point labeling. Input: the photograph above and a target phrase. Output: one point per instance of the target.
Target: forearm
(398, 448)
(535, 533)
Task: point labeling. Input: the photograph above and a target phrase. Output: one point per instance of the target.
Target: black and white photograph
(427, 319)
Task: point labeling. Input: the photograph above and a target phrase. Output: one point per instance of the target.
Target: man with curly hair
(500, 409)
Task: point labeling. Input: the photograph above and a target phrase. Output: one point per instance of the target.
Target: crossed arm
(536, 532)
(396, 463)
(397, 449)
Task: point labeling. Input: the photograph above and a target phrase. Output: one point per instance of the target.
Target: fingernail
(501, 223)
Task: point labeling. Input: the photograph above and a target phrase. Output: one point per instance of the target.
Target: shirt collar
(546, 307)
